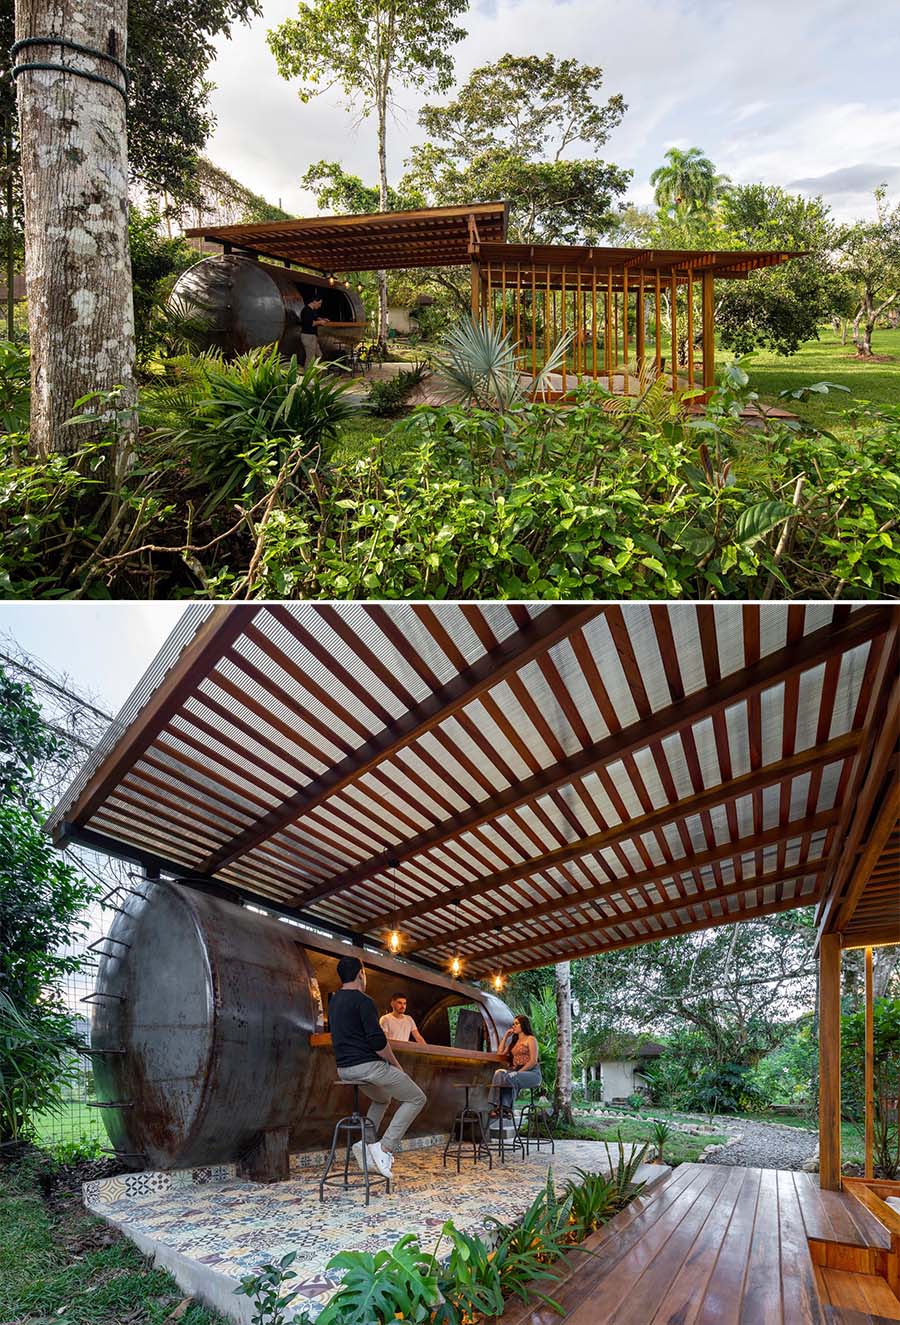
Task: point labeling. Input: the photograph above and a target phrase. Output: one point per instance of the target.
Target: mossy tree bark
(562, 1095)
(75, 175)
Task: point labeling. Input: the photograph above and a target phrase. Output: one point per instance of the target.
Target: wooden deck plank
(721, 1303)
(836, 1216)
(641, 1300)
(607, 1245)
(618, 1271)
(799, 1295)
(761, 1301)
(684, 1298)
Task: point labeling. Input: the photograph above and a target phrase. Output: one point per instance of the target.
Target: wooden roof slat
(842, 747)
(815, 648)
(552, 624)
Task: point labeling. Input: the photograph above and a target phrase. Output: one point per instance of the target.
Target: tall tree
(75, 173)
(871, 262)
(517, 129)
(562, 1093)
(369, 48)
(687, 182)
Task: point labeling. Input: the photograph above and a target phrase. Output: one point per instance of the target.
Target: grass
(680, 1148)
(69, 1123)
(58, 1261)
(826, 359)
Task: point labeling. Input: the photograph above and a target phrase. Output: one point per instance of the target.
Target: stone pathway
(764, 1145)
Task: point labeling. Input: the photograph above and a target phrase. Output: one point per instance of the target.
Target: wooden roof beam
(673, 931)
(666, 907)
(540, 634)
(646, 878)
(794, 659)
(841, 747)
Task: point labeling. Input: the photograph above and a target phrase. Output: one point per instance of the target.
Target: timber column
(709, 333)
(829, 1061)
(476, 291)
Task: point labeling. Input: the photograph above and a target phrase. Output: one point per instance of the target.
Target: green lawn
(828, 360)
(681, 1147)
(59, 1263)
(69, 1123)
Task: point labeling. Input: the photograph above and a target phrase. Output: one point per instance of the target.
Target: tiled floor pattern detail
(233, 1226)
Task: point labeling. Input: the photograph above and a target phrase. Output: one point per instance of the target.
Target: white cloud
(761, 87)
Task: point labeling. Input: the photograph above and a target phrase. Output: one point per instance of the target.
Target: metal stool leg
(354, 1123)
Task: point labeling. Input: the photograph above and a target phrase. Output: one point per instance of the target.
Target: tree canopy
(510, 132)
(688, 181)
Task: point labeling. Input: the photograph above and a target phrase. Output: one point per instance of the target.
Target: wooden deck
(711, 1245)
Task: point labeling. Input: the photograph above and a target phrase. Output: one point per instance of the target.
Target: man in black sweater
(365, 1059)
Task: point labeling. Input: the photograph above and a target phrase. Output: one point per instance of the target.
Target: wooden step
(866, 1293)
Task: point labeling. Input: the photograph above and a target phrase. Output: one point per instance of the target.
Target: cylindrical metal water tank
(202, 1016)
(246, 304)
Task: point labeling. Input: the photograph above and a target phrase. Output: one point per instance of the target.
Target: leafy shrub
(15, 387)
(388, 396)
(270, 1297)
(886, 1043)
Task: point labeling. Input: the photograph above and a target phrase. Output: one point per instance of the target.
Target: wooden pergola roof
(429, 237)
(570, 261)
(512, 784)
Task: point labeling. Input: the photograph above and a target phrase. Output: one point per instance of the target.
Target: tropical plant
(525, 1250)
(470, 1282)
(886, 1068)
(594, 1201)
(15, 387)
(624, 1169)
(396, 1283)
(660, 1133)
(38, 1062)
(687, 181)
(388, 396)
(270, 1298)
(238, 417)
(478, 366)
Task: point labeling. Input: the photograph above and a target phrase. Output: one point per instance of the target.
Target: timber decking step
(867, 1294)
(722, 1246)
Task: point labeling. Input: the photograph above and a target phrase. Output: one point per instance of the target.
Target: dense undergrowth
(237, 489)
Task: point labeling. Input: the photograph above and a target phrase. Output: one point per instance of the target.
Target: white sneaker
(356, 1152)
(382, 1159)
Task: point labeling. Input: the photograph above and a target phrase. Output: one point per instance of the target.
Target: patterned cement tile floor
(212, 1218)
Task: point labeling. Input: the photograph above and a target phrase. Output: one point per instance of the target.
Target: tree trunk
(886, 962)
(383, 204)
(562, 1094)
(10, 228)
(74, 179)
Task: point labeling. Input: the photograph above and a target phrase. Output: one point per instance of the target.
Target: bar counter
(445, 1053)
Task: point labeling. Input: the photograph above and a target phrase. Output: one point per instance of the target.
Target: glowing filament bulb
(394, 940)
(455, 966)
(498, 982)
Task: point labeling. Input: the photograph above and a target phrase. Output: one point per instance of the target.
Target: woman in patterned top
(520, 1044)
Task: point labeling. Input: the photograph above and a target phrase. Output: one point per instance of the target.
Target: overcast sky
(104, 648)
(802, 93)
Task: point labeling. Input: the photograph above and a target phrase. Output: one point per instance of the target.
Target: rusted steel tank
(246, 303)
(209, 1030)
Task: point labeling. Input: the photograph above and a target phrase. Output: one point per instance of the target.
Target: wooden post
(594, 322)
(709, 334)
(674, 298)
(533, 325)
(829, 1061)
(658, 316)
(476, 292)
(609, 327)
(639, 325)
(626, 386)
(690, 326)
(267, 1159)
(870, 1068)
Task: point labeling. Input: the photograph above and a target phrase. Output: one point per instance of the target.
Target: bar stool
(472, 1118)
(502, 1145)
(533, 1124)
(353, 1123)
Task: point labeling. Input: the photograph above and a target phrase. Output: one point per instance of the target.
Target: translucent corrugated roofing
(511, 784)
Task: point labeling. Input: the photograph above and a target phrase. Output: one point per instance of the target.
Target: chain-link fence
(74, 1126)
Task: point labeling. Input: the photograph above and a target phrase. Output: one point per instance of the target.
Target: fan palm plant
(478, 366)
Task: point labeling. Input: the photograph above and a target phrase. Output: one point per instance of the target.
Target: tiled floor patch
(233, 1226)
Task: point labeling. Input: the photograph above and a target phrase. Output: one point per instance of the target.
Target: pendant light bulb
(498, 982)
(394, 940)
(455, 966)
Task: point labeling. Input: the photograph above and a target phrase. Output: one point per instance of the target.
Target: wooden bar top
(322, 1039)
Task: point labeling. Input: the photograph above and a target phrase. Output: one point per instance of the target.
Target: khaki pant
(311, 349)
(382, 1082)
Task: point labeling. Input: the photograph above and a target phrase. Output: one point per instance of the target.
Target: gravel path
(764, 1145)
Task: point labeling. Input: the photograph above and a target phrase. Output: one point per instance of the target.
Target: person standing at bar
(310, 321)
(398, 1024)
(365, 1059)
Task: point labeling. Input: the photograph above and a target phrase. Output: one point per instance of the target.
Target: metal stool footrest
(534, 1128)
(353, 1125)
(473, 1119)
(502, 1145)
